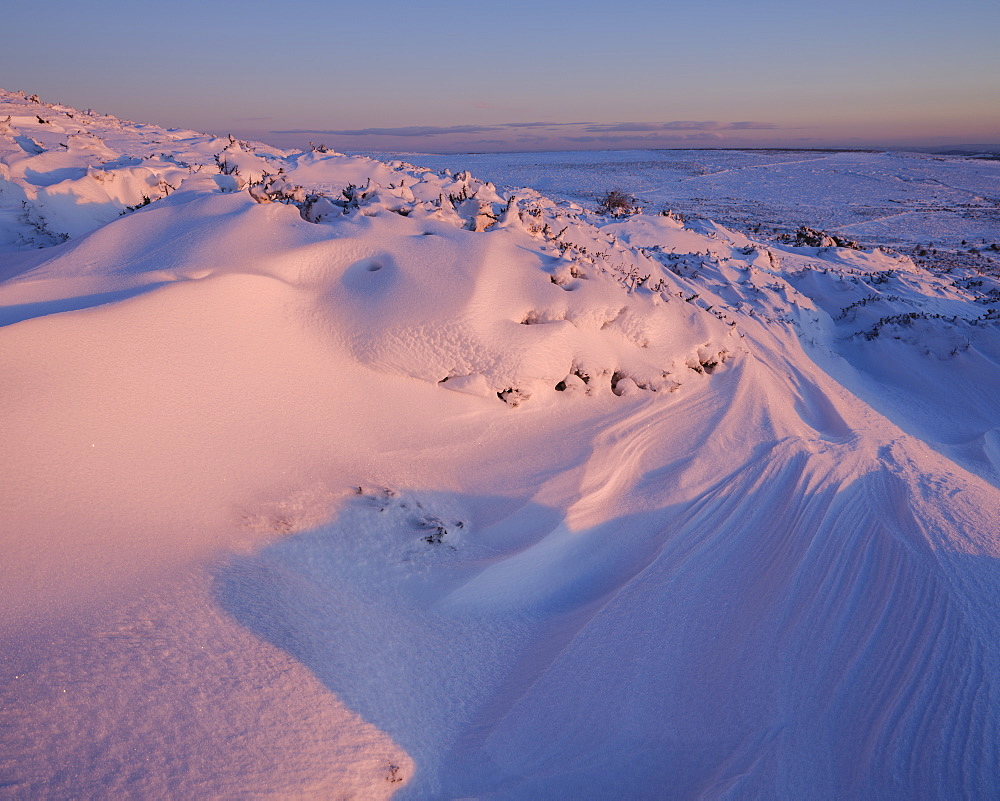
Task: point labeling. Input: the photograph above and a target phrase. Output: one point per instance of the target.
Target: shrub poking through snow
(146, 200)
(618, 204)
(810, 237)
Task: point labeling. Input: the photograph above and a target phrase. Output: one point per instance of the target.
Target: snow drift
(331, 477)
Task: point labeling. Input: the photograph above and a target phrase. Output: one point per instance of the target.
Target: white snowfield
(904, 200)
(330, 478)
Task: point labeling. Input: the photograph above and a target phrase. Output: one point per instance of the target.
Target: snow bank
(326, 476)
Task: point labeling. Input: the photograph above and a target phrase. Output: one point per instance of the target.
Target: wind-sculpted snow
(687, 628)
(328, 477)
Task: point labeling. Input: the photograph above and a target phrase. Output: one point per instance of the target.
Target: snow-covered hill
(327, 477)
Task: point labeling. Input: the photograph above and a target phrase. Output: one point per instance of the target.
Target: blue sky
(517, 75)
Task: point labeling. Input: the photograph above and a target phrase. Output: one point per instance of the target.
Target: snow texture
(329, 477)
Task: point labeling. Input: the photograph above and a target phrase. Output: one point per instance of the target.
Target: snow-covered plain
(908, 201)
(326, 477)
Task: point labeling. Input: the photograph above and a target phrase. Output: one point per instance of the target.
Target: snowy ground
(896, 199)
(324, 477)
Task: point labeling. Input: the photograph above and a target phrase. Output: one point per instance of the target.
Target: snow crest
(325, 476)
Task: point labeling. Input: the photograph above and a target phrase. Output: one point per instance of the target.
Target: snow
(880, 198)
(332, 477)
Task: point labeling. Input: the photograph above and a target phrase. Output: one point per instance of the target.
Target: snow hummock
(330, 477)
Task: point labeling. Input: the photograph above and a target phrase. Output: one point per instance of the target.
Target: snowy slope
(327, 477)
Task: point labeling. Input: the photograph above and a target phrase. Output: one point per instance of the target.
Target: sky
(523, 75)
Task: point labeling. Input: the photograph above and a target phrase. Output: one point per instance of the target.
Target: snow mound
(429, 275)
(325, 477)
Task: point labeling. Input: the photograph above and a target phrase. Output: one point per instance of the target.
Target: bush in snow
(618, 204)
(810, 237)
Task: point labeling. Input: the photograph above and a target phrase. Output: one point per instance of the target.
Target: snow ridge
(324, 476)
